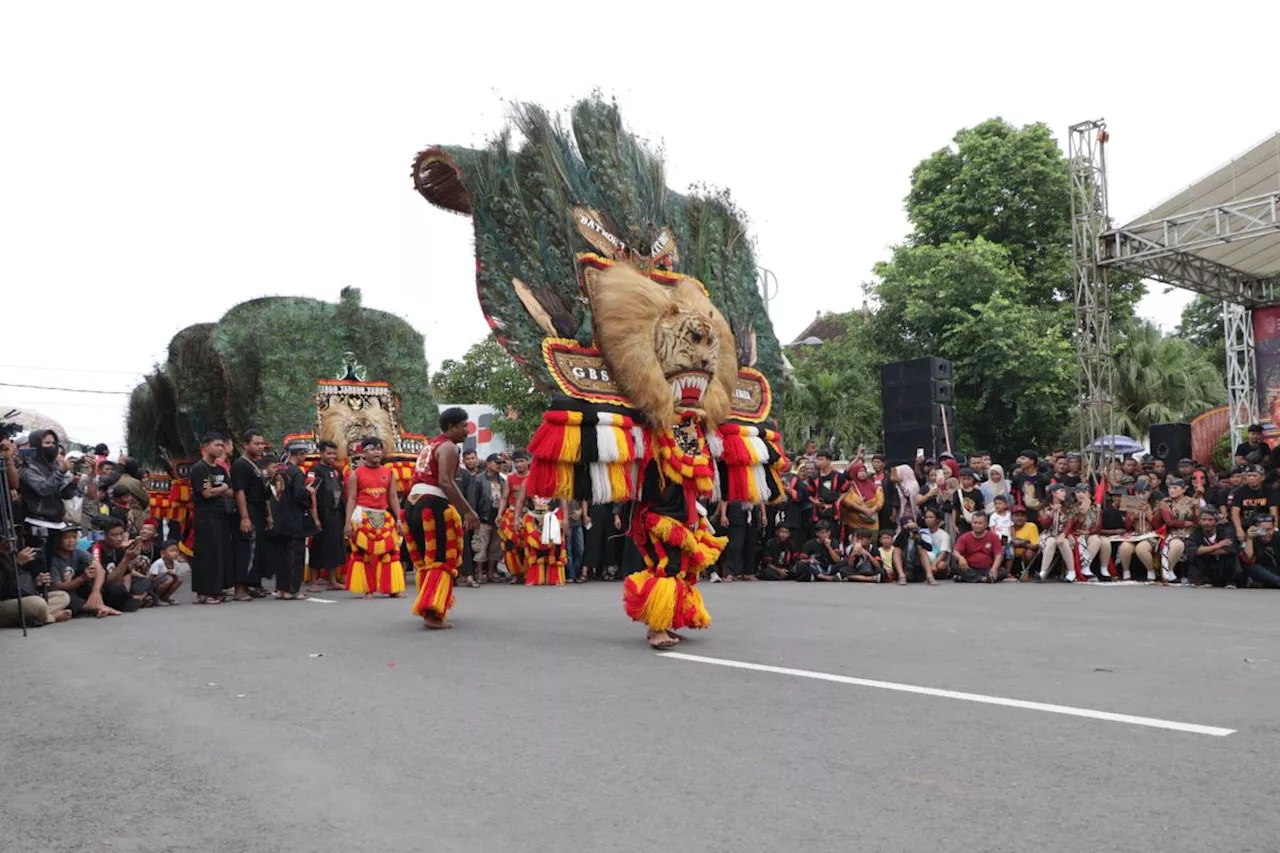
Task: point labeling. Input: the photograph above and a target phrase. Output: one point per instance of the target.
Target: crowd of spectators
(1052, 517)
(83, 543)
(89, 547)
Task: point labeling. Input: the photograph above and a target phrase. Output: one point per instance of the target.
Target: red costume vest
(427, 469)
(373, 486)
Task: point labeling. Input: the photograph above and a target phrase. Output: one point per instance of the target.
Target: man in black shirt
(821, 556)
(328, 546)
(778, 560)
(1255, 451)
(1260, 557)
(248, 481)
(210, 489)
(825, 490)
(1030, 483)
(1251, 498)
(295, 523)
(1213, 551)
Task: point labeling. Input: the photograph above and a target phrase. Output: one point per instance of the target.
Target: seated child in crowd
(164, 574)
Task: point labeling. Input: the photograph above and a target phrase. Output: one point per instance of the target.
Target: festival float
(293, 368)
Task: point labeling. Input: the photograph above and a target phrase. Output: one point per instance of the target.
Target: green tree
(1161, 379)
(486, 375)
(834, 393)
(1010, 186)
(1006, 185)
(1201, 323)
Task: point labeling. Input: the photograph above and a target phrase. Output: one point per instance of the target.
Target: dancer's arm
(353, 491)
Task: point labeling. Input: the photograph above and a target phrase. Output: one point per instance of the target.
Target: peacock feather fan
(521, 192)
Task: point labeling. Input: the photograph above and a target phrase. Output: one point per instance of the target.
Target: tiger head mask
(669, 349)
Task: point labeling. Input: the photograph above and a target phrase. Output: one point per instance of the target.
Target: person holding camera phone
(44, 481)
(33, 601)
(1260, 555)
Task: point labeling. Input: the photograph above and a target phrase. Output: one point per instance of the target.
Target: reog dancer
(437, 516)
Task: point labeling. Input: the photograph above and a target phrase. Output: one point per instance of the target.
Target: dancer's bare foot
(434, 622)
(661, 641)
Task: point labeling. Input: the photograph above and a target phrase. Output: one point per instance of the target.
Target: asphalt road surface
(543, 723)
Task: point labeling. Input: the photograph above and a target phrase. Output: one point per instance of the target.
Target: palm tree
(1161, 379)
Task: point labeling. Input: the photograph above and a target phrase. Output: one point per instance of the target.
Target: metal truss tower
(1089, 220)
(1242, 394)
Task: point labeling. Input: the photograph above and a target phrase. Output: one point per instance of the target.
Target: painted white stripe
(320, 600)
(1152, 722)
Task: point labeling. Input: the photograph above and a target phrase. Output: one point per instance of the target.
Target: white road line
(1152, 722)
(320, 600)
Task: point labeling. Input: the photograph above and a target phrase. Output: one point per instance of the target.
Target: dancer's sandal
(662, 642)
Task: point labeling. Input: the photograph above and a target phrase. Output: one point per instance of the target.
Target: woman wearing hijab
(994, 486)
(860, 506)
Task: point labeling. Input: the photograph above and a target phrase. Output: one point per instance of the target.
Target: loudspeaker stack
(1171, 442)
(916, 395)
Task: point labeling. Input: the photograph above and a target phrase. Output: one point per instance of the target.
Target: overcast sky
(162, 163)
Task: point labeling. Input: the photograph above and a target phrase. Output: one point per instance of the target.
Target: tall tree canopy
(1201, 325)
(1006, 185)
(486, 375)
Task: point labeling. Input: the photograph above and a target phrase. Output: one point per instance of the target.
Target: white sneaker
(715, 577)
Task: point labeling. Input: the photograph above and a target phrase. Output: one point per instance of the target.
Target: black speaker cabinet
(1171, 442)
(918, 371)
